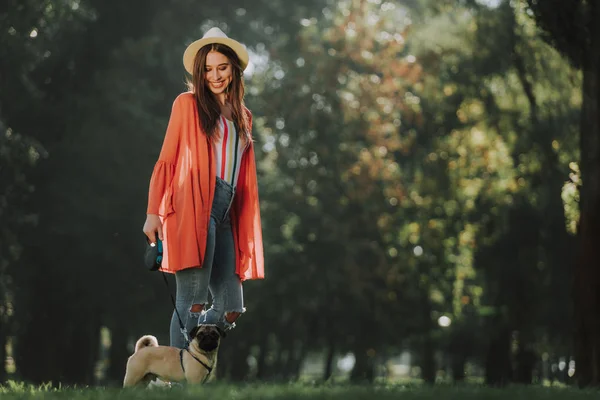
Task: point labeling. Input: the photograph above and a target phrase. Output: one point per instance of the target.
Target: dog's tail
(146, 341)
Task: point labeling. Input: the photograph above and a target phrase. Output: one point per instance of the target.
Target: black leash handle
(181, 326)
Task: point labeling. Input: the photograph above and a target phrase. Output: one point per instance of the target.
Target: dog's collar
(208, 368)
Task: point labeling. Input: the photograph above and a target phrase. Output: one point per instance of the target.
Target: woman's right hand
(153, 226)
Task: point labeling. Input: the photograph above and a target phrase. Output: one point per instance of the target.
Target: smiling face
(217, 79)
(217, 73)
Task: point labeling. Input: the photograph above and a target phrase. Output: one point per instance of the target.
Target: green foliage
(570, 197)
(330, 134)
(18, 156)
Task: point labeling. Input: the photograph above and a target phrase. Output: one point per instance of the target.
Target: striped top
(228, 152)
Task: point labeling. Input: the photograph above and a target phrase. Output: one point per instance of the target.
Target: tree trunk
(293, 363)
(118, 355)
(3, 342)
(39, 342)
(497, 362)
(458, 367)
(427, 357)
(298, 359)
(364, 367)
(54, 319)
(525, 362)
(261, 362)
(4, 324)
(460, 348)
(238, 362)
(329, 361)
(586, 290)
(285, 363)
(80, 365)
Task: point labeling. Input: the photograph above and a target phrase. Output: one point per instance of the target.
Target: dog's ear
(222, 333)
(194, 332)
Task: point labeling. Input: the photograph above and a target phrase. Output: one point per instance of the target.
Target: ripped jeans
(217, 275)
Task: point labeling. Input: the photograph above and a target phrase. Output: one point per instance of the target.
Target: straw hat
(214, 35)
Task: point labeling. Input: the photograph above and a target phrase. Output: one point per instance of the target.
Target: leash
(208, 369)
(181, 326)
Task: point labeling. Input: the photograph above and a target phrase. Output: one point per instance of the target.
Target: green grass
(296, 391)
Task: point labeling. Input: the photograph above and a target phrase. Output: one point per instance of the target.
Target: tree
(93, 84)
(331, 120)
(486, 83)
(571, 26)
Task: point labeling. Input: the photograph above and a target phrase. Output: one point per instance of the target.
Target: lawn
(296, 391)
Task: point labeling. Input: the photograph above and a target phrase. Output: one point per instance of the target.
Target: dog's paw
(159, 384)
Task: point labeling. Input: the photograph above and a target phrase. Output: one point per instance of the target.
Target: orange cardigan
(181, 193)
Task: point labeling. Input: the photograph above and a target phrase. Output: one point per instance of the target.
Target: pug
(170, 364)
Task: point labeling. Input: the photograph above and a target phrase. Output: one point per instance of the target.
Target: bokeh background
(420, 167)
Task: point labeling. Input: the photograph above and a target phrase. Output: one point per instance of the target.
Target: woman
(203, 196)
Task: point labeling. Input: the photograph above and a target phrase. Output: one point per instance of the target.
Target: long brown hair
(209, 110)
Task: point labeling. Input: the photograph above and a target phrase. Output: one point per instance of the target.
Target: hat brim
(190, 53)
